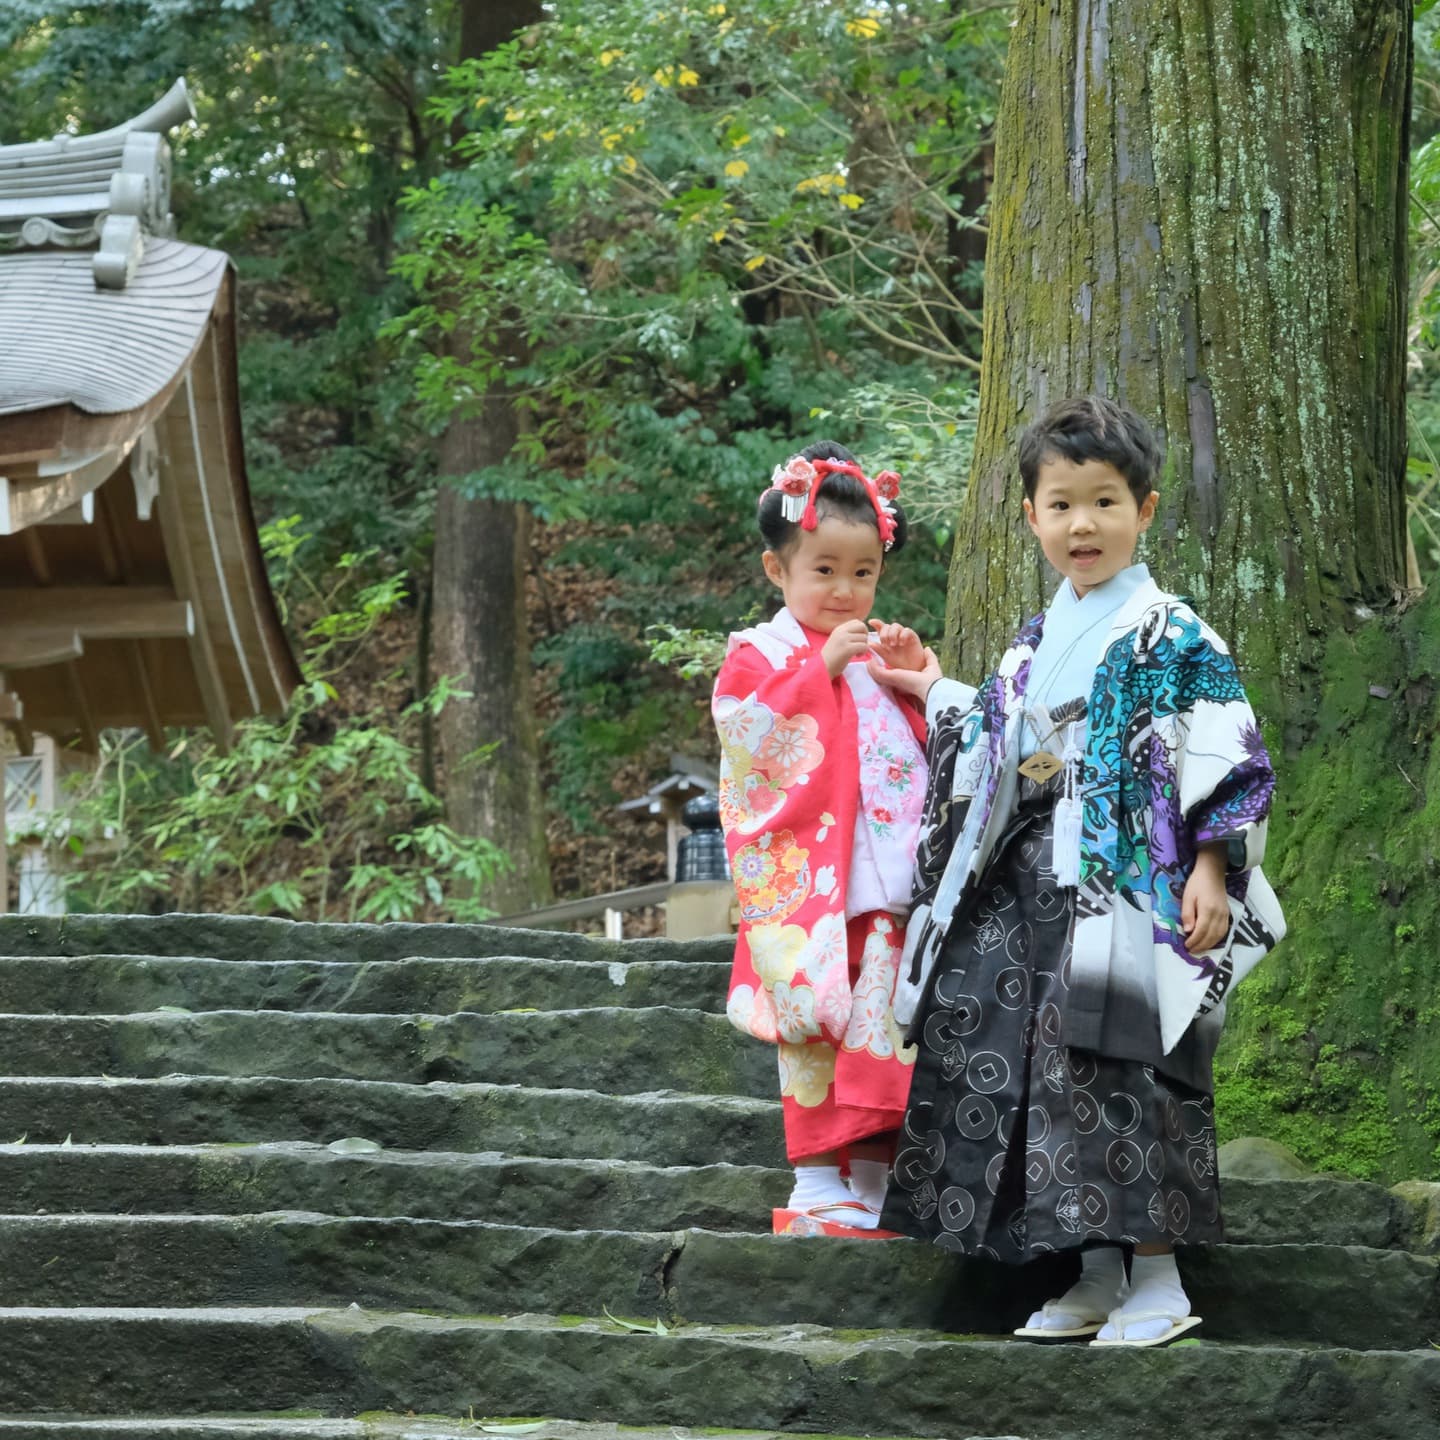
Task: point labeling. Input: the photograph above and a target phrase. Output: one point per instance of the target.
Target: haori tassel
(1068, 813)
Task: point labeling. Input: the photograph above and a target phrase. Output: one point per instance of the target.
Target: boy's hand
(898, 646)
(916, 683)
(847, 642)
(1204, 910)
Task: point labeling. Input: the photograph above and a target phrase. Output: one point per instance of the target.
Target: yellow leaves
(609, 57)
(852, 201)
(681, 75)
(867, 27)
(755, 262)
(737, 169)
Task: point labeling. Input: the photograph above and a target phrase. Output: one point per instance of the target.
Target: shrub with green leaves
(322, 814)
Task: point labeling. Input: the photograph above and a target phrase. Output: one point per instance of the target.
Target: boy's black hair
(840, 495)
(1090, 427)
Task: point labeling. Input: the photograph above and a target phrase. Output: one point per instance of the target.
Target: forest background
(525, 324)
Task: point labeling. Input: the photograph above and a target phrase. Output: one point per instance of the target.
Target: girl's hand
(847, 642)
(915, 683)
(1204, 909)
(898, 646)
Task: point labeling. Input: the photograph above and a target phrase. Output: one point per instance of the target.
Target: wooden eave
(124, 618)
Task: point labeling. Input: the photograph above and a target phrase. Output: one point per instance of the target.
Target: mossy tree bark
(480, 626)
(1201, 209)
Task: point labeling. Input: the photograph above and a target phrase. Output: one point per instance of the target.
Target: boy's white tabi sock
(819, 1185)
(869, 1179)
(1092, 1297)
(1154, 1288)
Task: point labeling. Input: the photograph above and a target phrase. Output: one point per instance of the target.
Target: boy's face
(829, 575)
(1086, 520)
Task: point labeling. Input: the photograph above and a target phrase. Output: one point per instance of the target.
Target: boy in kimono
(1087, 890)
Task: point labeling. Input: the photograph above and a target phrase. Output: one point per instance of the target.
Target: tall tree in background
(479, 631)
(1202, 211)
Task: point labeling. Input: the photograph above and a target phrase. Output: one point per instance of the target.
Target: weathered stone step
(253, 1427)
(368, 1427)
(209, 1361)
(1363, 1299)
(615, 1050)
(247, 937)
(564, 1194)
(658, 1128)
(439, 1185)
(118, 984)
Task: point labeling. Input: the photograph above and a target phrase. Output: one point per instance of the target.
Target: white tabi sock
(1092, 1297)
(869, 1179)
(820, 1185)
(1155, 1288)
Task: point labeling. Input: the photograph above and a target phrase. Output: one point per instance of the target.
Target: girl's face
(829, 575)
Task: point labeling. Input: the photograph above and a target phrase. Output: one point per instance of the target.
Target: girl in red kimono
(822, 785)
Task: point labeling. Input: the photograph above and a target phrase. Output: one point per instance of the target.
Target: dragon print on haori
(1172, 760)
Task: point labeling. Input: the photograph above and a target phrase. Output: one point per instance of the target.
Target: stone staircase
(195, 1242)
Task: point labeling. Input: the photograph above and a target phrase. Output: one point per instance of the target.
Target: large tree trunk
(1201, 209)
(479, 624)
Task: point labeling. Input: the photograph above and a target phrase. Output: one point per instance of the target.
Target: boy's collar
(1125, 583)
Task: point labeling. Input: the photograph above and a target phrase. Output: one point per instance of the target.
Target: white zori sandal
(1071, 1322)
(1122, 1323)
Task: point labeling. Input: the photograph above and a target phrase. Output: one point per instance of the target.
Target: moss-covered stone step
(283, 1426)
(246, 937)
(117, 984)
(373, 1426)
(616, 1050)
(796, 1379)
(576, 1193)
(659, 1128)
(234, 1180)
(1365, 1299)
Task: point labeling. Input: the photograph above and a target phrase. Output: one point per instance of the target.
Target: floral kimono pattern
(1173, 760)
(822, 788)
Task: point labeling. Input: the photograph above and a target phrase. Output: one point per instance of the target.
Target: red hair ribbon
(799, 481)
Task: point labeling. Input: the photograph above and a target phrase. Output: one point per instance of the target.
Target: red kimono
(822, 784)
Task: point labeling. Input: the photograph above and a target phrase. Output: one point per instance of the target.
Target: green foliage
(720, 236)
(321, 814)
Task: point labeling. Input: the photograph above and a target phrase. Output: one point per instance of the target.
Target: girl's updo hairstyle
(842, 496)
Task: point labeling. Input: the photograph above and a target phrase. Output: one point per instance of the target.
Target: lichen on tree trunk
(1201, 210)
